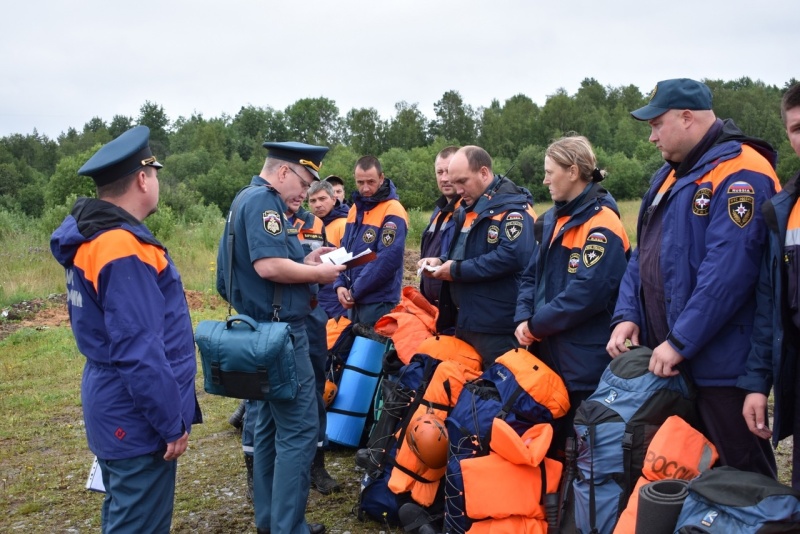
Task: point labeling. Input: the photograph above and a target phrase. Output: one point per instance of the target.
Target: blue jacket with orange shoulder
(570, 286)
(774, 351)
(131, 321)
(492, 242)
(379, 223)
(712, 240)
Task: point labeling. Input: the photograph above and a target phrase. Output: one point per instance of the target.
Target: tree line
(206, 160)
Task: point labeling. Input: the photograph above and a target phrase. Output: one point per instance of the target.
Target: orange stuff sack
(446, 348)
(334, 329)
(409, 323)
(679, 451)
(503, 490)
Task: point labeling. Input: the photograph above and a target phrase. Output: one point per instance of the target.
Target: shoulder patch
(493, 234)
(740, 209)
(574, 261)
(592, 254)
(597, 237)
(514, 228)
(369, 236)
(701, 202)
(388, 234)
(272, 222)
(741, 188)
(514, 216)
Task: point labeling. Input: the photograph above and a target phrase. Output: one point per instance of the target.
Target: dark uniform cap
(680, 93)
(309, 156)
(334, 180)
(118, 158)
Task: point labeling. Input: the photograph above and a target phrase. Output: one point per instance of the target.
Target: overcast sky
(63, 63)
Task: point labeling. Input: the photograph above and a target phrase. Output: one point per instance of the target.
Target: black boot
(415, 519)
(248, 463)
(320, 479)
(236, 417)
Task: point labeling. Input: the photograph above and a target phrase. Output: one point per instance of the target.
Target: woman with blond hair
(570, 285)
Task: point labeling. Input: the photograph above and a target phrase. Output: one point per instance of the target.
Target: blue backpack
(614, 427)
(518, 388)
(730, 501)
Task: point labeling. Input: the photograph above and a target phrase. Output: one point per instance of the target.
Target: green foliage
(162, 223)
(66, 181)
(208, 159)
(53, 216)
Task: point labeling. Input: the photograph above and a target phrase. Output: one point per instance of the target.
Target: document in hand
(341, 257)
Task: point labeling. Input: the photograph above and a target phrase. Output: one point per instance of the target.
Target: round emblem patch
(574, 261)
(701, 202)
(369, 236)
(493, 235)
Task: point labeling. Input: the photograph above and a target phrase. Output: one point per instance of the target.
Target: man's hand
(754, 412)
(313, 257)
(523, 334)
(443, 272)
(664, 360)
(430, 262)
(327, 273)
(345, 297)
(624, 331)
(177, 447)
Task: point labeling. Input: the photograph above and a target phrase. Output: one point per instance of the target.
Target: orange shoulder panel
(749, 160)
(110, 246)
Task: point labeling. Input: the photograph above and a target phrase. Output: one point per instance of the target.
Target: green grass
(44, 459)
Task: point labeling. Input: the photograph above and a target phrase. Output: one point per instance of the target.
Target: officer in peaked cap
(309, 156)
(130, 320)
(266, 261)
(124, 155)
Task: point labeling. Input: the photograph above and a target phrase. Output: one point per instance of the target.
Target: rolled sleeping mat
(660, 504)
(348, 413)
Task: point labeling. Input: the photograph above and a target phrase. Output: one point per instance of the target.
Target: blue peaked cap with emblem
(309, 156)
(680, 93)
(126, 154)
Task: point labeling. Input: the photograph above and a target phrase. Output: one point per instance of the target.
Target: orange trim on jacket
(93, 255)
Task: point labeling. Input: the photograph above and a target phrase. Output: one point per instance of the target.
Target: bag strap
(278, 291)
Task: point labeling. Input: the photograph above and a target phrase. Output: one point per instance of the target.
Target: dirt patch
(52, 311)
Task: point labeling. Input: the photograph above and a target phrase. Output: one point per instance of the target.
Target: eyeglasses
(306, 185)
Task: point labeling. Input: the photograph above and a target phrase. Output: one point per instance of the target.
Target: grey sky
(63, 63)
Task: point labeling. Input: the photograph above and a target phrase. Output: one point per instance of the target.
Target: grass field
(44, 460)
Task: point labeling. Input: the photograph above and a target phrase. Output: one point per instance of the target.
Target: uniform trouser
(285, 440)
(248, 426)
(140, 492)
(369, 314)
(489, 346)
(720, 410)
(316, 324)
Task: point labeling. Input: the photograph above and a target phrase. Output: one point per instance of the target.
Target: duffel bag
(245, 359)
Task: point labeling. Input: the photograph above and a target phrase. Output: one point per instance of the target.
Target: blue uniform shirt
(261, 231)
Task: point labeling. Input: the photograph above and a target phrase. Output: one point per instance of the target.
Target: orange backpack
(677, 451)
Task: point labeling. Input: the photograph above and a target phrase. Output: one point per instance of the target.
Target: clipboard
(95, 480)
(341, 257)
